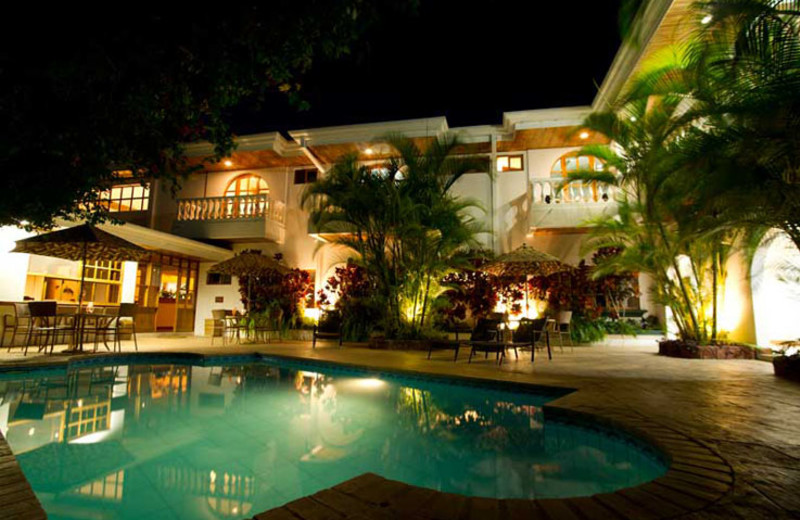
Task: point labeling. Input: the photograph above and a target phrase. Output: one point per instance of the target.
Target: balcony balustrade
(558, 205)
(231, 218)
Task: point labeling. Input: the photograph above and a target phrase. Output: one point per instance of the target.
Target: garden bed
(689, 350)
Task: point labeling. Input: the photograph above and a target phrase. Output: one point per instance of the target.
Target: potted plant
(786, 363)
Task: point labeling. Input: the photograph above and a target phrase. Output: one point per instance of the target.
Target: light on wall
(584, 135)
(228, 163)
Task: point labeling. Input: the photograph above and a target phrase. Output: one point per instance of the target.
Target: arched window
(246, 197)
(247, 184)
(575, 192)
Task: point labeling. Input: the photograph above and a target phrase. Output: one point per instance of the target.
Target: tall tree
(88, 92)
(402, 220)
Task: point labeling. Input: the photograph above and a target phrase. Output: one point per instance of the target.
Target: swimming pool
(174, 440)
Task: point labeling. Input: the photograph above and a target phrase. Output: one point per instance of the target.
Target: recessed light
(228, 163)
(584, 135)
(706, 19)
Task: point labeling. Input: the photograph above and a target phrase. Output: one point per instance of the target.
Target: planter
(400, 344)
(690, 350)
(787, 367)
(300, 334)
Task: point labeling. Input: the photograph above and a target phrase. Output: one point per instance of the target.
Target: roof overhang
(154, 240)
(658, 25)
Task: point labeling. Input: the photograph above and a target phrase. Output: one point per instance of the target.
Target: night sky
(466, 63)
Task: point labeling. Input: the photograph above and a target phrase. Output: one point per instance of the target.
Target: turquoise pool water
(177, 441)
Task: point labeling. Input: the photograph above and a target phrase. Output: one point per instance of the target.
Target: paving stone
(444, 506)
(482, 509)
(309, 509)
(555, 509)
(280, 513)
(624, 507)
(588, 507)
(705, 472)
(656, 505)
(698, 480)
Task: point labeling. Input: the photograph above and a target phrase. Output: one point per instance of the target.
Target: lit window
(305, 176)
(248, 184)
(510, 163)
(126, 197)
(572, 163)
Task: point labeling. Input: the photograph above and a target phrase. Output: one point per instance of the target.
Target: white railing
(230, 208)
(552, 191)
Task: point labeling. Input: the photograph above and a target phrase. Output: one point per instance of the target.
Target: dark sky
(470, 64)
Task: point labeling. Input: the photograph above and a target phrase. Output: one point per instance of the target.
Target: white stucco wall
(14, 265)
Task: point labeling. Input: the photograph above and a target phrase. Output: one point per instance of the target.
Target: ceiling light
(228, 163)
(369, 151)
(584, 135)
(706, 19)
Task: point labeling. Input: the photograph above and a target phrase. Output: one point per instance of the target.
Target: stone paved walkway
(747, 420)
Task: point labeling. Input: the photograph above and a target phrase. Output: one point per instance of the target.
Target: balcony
(244, 217)
(571, 206)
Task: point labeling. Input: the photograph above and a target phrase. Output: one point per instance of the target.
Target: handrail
(230, 208)
(554, 191)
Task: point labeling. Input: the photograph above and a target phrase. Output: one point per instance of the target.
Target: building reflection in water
(232, 441)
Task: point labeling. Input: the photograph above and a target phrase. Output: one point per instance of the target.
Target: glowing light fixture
(31, 431)
(633, 119)
(371, 383)
(369, 151)
(706, 19)
(311, 313)
(584, 135)
(228, 163)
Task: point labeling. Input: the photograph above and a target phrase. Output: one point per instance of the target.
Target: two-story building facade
(252, 200)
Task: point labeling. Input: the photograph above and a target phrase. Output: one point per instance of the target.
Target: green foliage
(356, 300)
(89, 96)
(586, 330)
(270, 290)
(401, 220)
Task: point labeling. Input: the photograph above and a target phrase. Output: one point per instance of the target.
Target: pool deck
(730, 428)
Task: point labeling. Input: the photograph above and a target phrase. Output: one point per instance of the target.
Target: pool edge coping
(696, 476)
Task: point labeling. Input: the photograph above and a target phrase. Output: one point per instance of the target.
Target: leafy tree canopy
(82, 97)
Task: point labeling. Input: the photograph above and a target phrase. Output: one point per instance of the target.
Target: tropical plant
(470, 292)
(353, 293)
(402, 221)
(270, 289)
(657, 229)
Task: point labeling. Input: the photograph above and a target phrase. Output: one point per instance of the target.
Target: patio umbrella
(248, 263)
(527, 262)
(81, 243)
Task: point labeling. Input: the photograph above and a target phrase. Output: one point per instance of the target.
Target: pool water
(178, 441)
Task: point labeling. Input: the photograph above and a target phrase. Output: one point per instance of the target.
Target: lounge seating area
(44, 325)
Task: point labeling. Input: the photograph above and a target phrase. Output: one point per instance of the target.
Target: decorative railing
(554, 191)
(231, 208)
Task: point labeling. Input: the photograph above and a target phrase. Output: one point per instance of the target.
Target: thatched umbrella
(248, 263)
(526, 262)
(81, 243)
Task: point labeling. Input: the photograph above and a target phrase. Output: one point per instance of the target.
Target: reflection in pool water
(171, 441)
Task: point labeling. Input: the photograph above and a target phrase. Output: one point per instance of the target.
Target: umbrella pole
(79, 325)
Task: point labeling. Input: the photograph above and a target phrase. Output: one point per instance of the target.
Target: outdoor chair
(265, 324)
(109, 322)
(46, 326)
(485, 338)
(17, 323)
(218, 316)
(329, 327)
(485, 330)
(563, 320)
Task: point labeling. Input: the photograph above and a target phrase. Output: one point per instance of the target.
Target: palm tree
(402, 220)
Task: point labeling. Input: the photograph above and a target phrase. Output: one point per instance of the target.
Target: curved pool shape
(178, 441)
